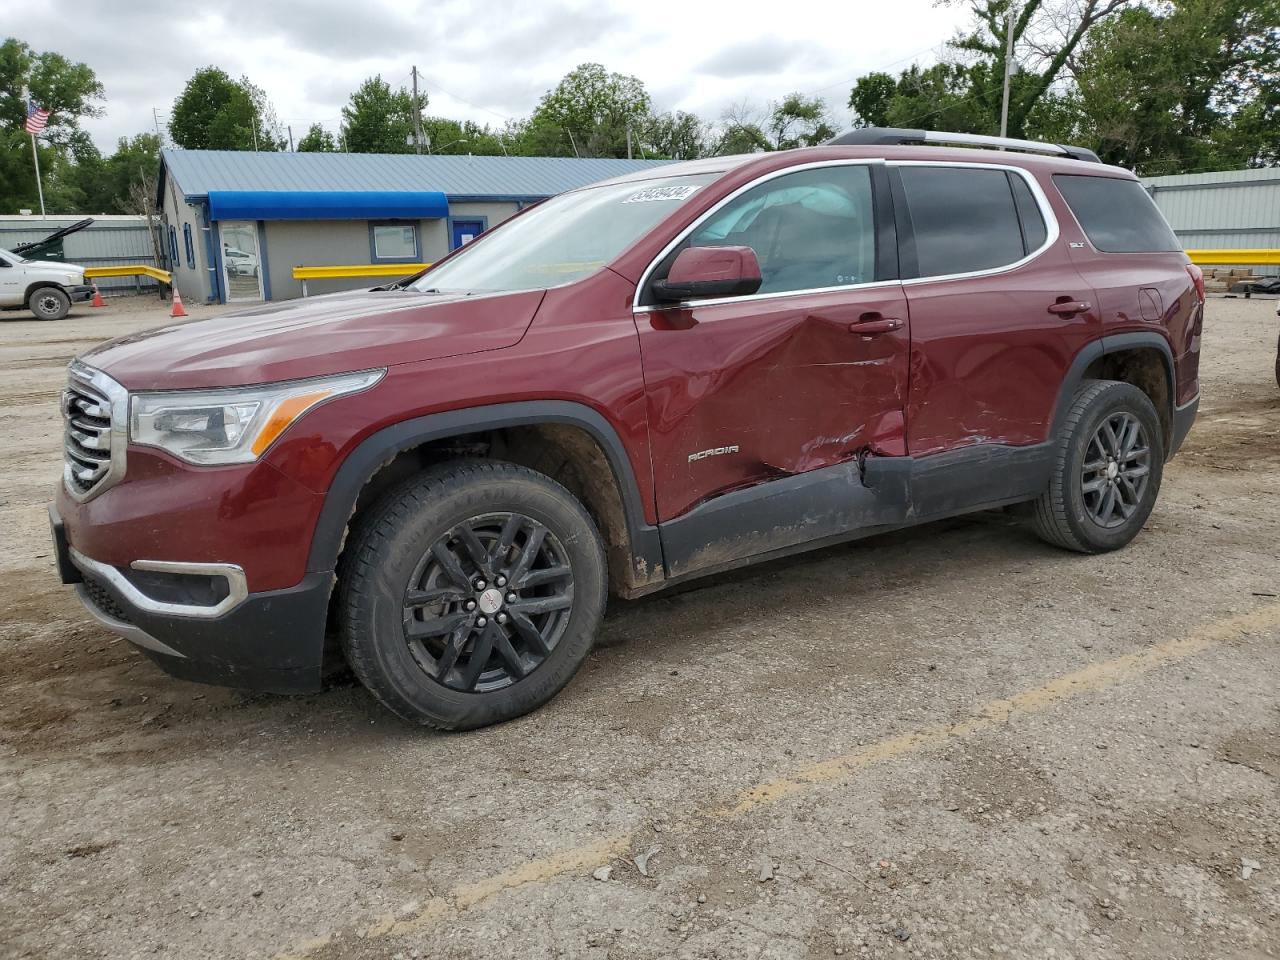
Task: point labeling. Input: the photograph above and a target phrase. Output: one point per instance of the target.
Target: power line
(428, 82)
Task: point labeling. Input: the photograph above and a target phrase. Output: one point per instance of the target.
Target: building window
(191, 247)
(173, 248)
(394, 242)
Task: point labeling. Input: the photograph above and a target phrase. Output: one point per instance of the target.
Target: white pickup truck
(45, 287)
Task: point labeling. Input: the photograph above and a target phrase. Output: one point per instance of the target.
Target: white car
(45, 287)
(239, 263)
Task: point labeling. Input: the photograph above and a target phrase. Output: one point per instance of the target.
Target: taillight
(1197, 278)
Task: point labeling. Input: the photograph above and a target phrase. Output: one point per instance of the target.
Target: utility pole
(628, 141)
(417, 115)
(290, 129)
(1008, 69)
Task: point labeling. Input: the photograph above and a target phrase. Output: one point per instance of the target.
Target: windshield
(12, 257)
(564, 239)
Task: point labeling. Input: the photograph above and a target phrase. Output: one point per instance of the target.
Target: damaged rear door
(749, 391)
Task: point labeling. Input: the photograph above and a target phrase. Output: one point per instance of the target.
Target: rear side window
(1034, 232)
(1117, 215)
(964, 219)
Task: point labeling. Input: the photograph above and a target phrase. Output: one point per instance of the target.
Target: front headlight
(235, 425)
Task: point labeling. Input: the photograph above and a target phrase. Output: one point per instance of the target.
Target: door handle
(873, 324)
(1069, 308)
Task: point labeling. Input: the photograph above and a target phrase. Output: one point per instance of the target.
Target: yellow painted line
(130, 270)
(358, 270)
(1235, 258)
(1090, 679)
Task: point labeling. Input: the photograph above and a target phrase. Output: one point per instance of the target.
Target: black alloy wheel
(1108, 461)
(471, 594)
(1116, 471)
(486, 606)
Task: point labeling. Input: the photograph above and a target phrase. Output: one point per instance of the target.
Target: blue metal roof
(326, 205)
(201, 172)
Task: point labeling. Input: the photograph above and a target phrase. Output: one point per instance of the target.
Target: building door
(241, 261)
(464, 231)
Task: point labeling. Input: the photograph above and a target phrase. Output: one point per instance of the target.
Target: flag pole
(35, 157)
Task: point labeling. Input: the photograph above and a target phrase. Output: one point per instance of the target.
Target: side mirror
(710, 272)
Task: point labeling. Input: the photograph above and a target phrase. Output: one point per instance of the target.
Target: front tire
(1107, 470)
(49, 303)
(472, 594)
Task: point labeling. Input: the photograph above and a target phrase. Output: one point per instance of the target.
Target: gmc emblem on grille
(713, 452)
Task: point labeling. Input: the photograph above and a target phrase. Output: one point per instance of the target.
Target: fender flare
(363, 462)
(1118, 343)
(39, 284)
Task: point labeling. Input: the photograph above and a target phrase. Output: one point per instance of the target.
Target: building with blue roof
(236, 223)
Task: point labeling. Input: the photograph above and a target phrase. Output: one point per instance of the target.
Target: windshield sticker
(663, 193)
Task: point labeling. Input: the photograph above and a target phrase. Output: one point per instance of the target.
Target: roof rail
(899, 135)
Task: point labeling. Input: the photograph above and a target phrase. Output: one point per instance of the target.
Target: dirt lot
(953, 742)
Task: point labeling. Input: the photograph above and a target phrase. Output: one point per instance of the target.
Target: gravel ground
(950, 742)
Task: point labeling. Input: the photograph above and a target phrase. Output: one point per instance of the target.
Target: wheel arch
(552, 436)
(35, 285)
(1143, 359)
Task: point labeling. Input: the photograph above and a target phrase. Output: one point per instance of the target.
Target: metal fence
(1229, 209)
(109, 241)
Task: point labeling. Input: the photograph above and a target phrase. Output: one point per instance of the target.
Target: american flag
(37, 117)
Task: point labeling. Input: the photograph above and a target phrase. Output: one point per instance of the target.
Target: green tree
(1190, 85)
(871, 98)
(317, 140)
(674, 136)
(378, 119)
(1046, 35)
(964, 93)
(460, 137)
(588, 114)
(119, 183)
(215, 112)
(940, 97)
(798, 121)
(71, 92)
(739, 130)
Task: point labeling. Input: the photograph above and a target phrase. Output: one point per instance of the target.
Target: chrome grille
(93, 410)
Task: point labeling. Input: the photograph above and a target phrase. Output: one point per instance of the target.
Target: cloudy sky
(485, 60)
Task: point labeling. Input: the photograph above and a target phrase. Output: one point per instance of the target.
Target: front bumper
(271, 641)
(81, 293)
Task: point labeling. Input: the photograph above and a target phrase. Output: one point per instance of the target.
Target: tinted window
(810, 229)
(964, 219)
(1034, 232)
(1117, 215)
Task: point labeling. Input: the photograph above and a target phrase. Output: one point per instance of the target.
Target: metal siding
(107, 242)
(1222, 210)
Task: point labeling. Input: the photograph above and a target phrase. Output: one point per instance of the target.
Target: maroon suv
(673, 373)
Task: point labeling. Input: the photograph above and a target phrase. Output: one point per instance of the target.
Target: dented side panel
(987, 355)
(745, 392)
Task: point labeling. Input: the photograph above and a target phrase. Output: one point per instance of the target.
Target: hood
(316, 336)
(53, 265)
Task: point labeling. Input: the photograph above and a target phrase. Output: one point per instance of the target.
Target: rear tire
(1107, 470)
(49, 303)
(428, 620)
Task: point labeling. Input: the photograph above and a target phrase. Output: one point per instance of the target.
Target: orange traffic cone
(177, 310)
(97, 298)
